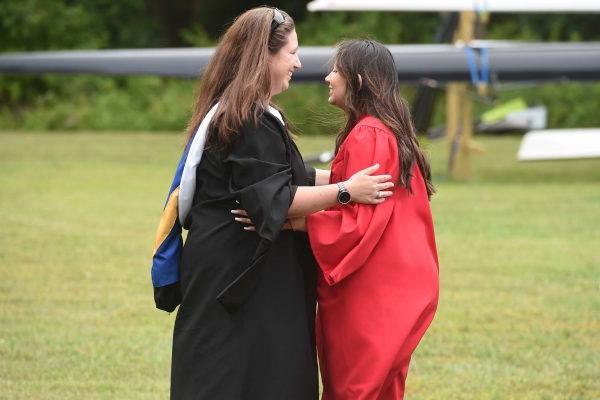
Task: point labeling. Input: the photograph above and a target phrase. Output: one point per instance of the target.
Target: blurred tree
(328, 28)
(174, 16)
(215, 16)
(80, 102)
(545, 27)
(47, 24)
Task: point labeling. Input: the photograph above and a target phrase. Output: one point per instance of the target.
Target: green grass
(519, 314)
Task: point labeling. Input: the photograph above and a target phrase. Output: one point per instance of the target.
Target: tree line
(153, 103)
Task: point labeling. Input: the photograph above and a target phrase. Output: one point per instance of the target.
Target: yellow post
(466, 26)
(463, 167)
(459, 110)
(453, 123)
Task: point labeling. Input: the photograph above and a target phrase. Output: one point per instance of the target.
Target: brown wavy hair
(238, 75)
(379, 96)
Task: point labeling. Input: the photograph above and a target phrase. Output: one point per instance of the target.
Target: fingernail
(234, 211)
(237, 219)
(246, 228)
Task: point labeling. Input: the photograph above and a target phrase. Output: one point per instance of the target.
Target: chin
(332, 101)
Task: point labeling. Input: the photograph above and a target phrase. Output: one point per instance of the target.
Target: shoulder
(266, 127)
(372, 122)
(268, 118)
(262, 137)
(370, 129)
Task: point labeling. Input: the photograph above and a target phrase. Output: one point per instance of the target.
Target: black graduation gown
(245, 326)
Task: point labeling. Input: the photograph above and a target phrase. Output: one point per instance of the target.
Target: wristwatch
(343, 194)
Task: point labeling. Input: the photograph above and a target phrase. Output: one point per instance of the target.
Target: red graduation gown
(378, 280)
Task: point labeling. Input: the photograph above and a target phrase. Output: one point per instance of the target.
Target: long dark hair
(238, 74)
(379, 96)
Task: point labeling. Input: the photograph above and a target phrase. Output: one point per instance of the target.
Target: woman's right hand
(369, 189)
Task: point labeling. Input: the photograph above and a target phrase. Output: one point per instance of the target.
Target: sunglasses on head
(278, 19)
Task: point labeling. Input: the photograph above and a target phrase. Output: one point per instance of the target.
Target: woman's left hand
(243, 218)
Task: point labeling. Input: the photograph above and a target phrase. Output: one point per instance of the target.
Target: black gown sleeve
(311, 173)
(261, 180)
(261, 176)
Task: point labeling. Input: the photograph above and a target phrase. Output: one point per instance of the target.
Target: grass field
(519, 244)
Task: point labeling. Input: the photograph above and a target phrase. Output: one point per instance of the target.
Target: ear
(359, 82)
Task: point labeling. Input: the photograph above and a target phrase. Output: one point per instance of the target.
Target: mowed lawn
(519, 246)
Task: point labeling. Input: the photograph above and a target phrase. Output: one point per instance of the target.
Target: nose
(297, 64)
(327, 78)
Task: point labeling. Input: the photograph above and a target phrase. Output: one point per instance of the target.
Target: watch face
(344, 197)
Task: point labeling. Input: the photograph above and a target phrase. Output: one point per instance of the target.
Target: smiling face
(337, 88)
(283, 64)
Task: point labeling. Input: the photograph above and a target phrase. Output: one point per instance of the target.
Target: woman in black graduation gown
(245, 326)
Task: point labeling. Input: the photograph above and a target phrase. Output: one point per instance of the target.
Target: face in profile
(337, 88)
(283, 64)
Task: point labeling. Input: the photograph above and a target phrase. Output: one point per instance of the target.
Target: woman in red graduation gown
(378, 281)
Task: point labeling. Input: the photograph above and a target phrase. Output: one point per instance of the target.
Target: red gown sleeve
(343, 237)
